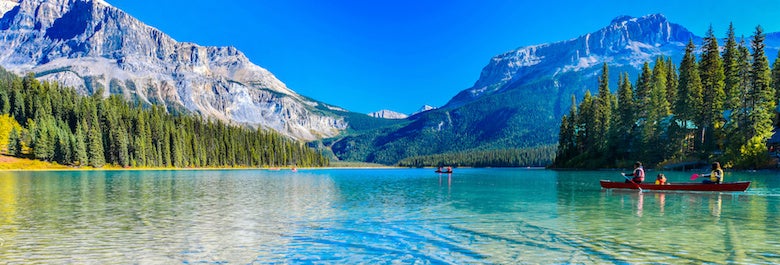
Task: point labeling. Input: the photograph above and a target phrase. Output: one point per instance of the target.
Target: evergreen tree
(738, 128)
(603, 112)
(761, 97)
(776, 80)
(643, 86)
(712, 78)
(689, 100)
(627, 116)
(80, 157)
(731, 82)
(14, 143)
(672, 78)
(95, 146)
(585, 120)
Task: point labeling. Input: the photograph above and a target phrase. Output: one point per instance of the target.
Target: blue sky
(367, 55)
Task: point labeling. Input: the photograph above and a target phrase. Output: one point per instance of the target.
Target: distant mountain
(91, 45)
(521, 95)
(422, 109)
(388, 114)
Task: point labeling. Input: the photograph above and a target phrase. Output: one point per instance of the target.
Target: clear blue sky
(367, 55)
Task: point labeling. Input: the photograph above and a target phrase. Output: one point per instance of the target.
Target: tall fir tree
(762, 102)
(14, 143)
(672, 78)
(712, 78)
(642, 94)
(627, 116)
(80, 157)
(689, 91)
(95, 147)
(603, 112)
(585, 124)
(731, 57)
(776, 82)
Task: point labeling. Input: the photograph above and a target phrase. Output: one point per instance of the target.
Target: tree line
(720, 106)
(530, 157)
(45, 121)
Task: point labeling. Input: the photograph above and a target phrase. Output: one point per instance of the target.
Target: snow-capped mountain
(388, 114)
(422, 109)
(91, 45)
(626, 43)
(521, 95)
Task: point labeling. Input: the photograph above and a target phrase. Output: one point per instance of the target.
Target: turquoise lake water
(370, 216)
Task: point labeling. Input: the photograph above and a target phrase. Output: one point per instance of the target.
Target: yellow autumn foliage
(7, 123)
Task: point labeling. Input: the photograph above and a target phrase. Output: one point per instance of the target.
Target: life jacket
(660, 181)
(639, 173)
(716, 176)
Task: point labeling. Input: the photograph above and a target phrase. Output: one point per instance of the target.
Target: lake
(348, 216)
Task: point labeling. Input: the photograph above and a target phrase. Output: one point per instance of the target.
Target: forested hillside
(531, 157)
(52, 123)
(719, 107)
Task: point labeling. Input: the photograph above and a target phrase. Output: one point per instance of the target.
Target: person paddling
(715, 176)
(638, 174)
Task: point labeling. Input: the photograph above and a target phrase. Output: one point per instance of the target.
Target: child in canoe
(660, 179)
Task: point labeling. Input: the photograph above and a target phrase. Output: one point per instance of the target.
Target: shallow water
(372, 216)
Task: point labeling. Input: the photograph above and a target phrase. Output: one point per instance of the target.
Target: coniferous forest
(530, 157)
(48, 122)
(719, 107)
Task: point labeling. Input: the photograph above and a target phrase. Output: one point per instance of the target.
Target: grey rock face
(91, 45)
(388, 114)
(627, 41)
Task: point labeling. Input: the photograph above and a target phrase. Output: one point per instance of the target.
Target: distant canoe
(728, 186)
(444, 172)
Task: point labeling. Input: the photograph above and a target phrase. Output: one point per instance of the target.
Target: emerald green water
(369, 216)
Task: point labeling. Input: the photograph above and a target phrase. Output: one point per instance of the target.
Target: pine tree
(603, 112)
(731, 57)
(627, 116)
(585, 124)
(80, 156)
(95, 147)
(761, 98)
(776, 79)
(14, 143)
(672, 79)
(712, 78)
(689, 100)
(643, 86)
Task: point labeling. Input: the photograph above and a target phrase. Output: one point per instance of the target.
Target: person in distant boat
(638, 174)
(449, 169)
(715, 176)
(660, 179)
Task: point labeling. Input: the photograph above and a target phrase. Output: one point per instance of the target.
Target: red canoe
(729, 186)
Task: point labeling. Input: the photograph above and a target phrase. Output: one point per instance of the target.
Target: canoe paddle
(632, 181)
(694, 176)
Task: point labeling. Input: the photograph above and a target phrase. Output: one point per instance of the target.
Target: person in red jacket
(638, 174)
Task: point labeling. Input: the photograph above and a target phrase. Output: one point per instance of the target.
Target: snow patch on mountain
(388, 114)
(626, 41)
(93, 46)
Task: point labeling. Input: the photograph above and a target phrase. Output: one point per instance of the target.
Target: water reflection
(502, 216)
(670, 227)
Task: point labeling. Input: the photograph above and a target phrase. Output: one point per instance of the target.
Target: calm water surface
(475, 216)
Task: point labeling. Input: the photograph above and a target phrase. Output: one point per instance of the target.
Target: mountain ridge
(521, 94)
(91, 45)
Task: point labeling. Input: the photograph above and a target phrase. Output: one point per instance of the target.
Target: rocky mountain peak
(626, 42)
(91, 45)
